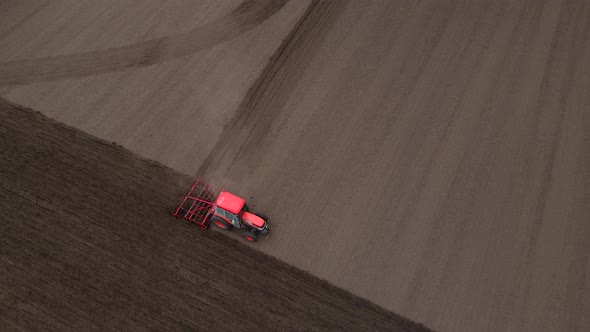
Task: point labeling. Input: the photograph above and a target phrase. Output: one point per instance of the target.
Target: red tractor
(226, 210)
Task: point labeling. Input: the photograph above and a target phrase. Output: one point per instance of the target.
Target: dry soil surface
(431, 156)
(86, 244)
(160, 77)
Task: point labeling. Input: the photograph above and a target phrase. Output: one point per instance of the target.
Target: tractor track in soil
(86, 244)
(254, 114)
(244, 17)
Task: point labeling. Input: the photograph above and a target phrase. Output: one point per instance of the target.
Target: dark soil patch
(88, 243)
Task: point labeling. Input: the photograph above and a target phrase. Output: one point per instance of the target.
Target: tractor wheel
(221, 224)
(250, 236)
(262, 216)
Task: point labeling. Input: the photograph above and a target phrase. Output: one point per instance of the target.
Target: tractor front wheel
(221, 224)
(250, 236)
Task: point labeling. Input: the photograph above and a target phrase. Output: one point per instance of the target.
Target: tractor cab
(231, 210)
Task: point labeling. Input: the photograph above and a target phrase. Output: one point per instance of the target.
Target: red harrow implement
(198, 205)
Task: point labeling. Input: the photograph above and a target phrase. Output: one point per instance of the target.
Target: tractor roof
(230, 202)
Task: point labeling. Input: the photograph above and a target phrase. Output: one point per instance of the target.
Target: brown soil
(430, 156)
(88, 243)
(433, 156)
(128, 73)
(244, 17)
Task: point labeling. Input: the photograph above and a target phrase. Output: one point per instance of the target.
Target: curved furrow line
(244, 17)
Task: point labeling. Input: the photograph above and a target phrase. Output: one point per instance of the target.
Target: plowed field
(430, 156)
(88, 243)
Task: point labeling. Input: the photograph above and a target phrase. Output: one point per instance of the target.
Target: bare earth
(91, 65)
(86, 244)
(430, 156)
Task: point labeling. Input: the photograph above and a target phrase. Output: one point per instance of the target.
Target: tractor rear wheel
(221, 224)
(250, 236)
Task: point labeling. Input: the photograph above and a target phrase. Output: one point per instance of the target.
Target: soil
(244, 17)
(433, 156)
(88, 242)
(161, 79)
(429, 156)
